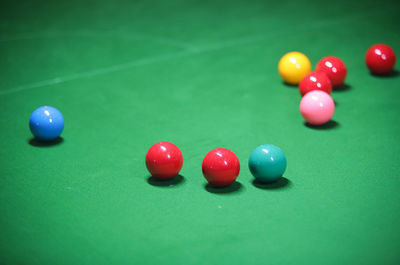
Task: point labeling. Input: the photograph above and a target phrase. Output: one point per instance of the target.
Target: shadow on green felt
(290, 85)
(342, 88)
(175, 181)
(330, 125)
(336, 103)
(37, 143)
(235, 187)
(392, 74)
(281, 183)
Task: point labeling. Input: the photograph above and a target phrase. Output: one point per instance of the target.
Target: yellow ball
(293, 66)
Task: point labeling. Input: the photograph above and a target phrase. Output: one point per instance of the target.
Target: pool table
(202, 75)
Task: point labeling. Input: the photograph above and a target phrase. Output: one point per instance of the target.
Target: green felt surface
(201, 74)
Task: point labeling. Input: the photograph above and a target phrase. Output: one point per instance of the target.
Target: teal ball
(267, 163)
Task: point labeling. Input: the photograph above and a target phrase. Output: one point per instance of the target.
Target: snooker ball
(164, 160)
(315, 81)
(293, 66)
(220, 167)
(46, 123)
(334, 68)
(267, 163)
(380, 59)
(317, 107)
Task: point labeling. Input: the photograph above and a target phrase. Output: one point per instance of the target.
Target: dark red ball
(221, 167)
(164, 160)
(334, 68)
(380, 59)
(315, 81)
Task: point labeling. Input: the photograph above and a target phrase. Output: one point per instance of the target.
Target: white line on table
(169, 56)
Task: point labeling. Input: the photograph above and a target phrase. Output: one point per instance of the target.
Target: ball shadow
(290, 85)
(175, 181)
(232, 188)
(393, 74)
(38, 143)
(281, 183)
(342, 88)
(336, 103)
(330, 125)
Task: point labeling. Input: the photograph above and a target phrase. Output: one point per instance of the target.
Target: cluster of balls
(164, 160)
(317, 106)
(220, 166)
(267, 163)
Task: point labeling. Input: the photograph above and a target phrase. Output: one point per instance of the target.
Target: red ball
(334, 68)
(164, 160)
(221, 167)
(380, 59)
(315, 81)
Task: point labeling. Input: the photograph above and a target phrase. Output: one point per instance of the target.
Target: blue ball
(267, 163)
(46, 123)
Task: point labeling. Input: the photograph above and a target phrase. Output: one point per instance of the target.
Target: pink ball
(317, 107)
